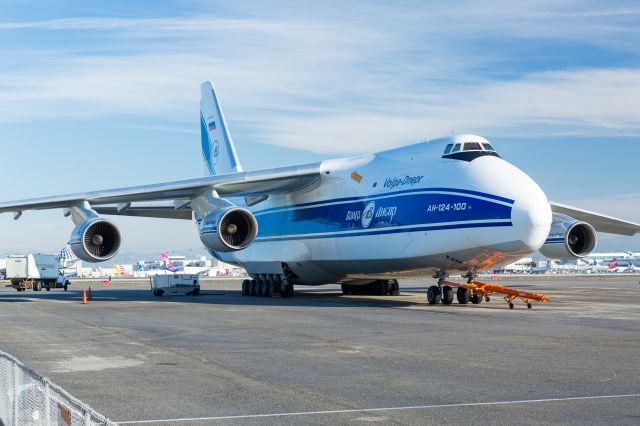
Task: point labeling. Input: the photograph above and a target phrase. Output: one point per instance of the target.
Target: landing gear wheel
(66, 286)
(48, 288)
(529, 306)
(433, 295)
(277, 288)
(394, 288)
(260, 288)
(268, 289)
(510, 305)
(346, 289)
(246, 287)
(476, 298)
(253, 288)
(381, 288)
(487, 299)
(447, 295)
(463, 296)
(288, 290)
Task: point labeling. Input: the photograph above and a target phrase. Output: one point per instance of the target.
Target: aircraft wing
(600, 222)
(248, 184)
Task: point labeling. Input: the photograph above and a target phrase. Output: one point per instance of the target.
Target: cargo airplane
(427, 209)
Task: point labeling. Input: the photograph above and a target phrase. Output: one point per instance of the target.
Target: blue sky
(98, 94)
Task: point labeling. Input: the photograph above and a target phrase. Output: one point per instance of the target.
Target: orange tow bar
(510, 294)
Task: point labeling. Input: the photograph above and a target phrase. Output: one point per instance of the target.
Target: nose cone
(531, 214)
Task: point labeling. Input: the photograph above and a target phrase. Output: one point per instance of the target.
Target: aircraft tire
(476, 298)
(288, 290)
(394, 288)
(463, 295)
(433, 295)
(253, 288)
(246, 287)
(268, 288)
(447, 295)
(380, 288)
(346, 289)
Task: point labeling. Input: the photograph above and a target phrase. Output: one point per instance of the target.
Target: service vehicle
(175, 284)
(35, 271)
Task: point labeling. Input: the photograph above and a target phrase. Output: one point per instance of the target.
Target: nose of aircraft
(531, 215)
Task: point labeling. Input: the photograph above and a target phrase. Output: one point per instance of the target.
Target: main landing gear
(376, 288)
(267, 286)
(475, 291)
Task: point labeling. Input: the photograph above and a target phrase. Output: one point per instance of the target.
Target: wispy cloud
(312, 83)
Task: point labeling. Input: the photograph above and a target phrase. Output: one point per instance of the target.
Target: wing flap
(162, 212)
(260, 182)
(600, 222)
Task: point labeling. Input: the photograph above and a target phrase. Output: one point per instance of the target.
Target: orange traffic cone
(89, 295)
(84, 297)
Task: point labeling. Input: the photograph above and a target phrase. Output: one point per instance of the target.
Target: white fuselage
(403, 212)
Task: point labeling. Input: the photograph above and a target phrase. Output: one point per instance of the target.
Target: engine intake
(569, 239)
(95, 240)
(229, 229)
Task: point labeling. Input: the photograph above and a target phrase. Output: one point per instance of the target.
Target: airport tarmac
(321, 358)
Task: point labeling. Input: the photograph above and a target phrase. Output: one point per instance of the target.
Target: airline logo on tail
(613, 264)
(167, 263)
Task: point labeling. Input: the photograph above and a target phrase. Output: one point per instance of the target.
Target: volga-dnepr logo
(367, 214)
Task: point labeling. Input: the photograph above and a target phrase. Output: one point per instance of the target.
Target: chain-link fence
(28, 399)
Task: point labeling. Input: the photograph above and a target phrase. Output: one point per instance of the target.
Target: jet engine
(569, 239)
(229, 229)
(95, 240)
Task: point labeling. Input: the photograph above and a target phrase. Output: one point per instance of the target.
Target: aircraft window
(488, 147)
(472, 146)
(448, 149)
(456, 148)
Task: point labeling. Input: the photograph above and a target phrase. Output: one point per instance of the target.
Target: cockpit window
(469, 151)
(448, 149)
(472, 146)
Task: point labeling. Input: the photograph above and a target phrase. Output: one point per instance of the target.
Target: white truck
(173, 284)
(36, 271)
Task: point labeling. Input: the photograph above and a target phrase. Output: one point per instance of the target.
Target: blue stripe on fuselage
(407, 211)
(385, 194)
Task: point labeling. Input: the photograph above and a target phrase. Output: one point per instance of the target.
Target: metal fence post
(47, 402)
(15, 393)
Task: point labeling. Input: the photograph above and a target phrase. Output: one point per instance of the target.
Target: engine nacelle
(229, 229)
(569, 239)
(95, 240)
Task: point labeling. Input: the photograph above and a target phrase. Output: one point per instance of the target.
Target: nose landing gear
(475, 291)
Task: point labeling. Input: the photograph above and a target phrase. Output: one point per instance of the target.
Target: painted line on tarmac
(370, 410)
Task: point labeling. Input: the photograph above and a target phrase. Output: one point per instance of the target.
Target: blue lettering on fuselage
(395, 182)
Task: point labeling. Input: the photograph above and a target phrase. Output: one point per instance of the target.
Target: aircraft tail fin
(217, 146)
(167, 263)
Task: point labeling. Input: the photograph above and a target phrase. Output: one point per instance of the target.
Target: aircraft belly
(321, 261)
